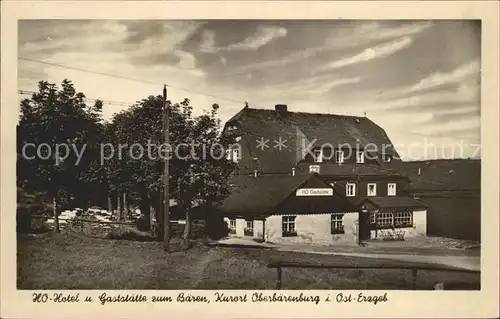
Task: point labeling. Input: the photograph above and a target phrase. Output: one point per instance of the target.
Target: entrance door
(364, 225)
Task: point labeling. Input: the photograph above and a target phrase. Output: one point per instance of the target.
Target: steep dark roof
(444, 175)
(395, 202)
(299, 129)
(263, 194)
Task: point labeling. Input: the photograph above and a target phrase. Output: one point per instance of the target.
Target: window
(249, 228)
(313, 168)
(350, 189)
(233, 155)
(318, 156)
(339, 156)
(337, 224)
(360, 157)
(385, 219)
(288, 226)
(392, 220)
(391, 189)
(403, 219)
(232, 226)
(236, 155)
(371, 189)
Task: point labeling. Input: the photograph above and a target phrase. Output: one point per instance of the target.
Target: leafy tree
(198, 169)
(59, 118)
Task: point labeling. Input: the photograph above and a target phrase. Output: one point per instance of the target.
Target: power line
(200, 93)
(130, 79)
(108, 102)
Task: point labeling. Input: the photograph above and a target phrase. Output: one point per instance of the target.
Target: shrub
(142, 223)
(129, 235)
(215, 226)
(30, 218)
(394, 235)
(23, 219)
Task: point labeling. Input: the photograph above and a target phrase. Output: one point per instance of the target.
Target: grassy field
(67, 261)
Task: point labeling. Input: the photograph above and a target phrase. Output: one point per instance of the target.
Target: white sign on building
(314, 192)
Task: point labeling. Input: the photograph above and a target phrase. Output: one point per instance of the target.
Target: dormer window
(339, 156)
(236, 155)
(233, 155)
(360, 157)
(350, 189)
(391, 189)
(372, 189)
(318, 156)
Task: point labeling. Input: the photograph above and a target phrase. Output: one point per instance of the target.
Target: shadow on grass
(63, 261)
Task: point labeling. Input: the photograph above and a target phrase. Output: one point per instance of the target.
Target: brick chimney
(280, 109)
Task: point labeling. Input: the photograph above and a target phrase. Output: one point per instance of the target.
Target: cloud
(446, 102)
(187, 60)
(461, 125)
(207, 44)
(312, 86)
(462, 74)
(379, 51)
(262, 36)
(365, 33)
(362, 34)
(167, 39)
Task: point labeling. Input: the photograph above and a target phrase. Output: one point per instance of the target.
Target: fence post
(414, 279)
(278, 280)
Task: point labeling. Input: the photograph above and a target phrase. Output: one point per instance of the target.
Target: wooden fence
(413, 267)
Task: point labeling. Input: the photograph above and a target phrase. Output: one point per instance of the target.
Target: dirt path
(199, 270)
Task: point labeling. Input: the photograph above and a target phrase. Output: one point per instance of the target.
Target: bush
(29, 219)
(394, 235)
(23, 220)
(215, 226)
(129, 235)
(142, 223)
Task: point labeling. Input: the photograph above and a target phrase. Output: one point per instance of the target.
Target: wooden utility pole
(166, 197)
(119, 206)
(110, 205)
(56, 215)
(125, 206)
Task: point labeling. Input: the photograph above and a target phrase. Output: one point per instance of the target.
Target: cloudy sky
(419, 80)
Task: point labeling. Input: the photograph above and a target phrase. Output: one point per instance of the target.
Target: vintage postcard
(249, 159)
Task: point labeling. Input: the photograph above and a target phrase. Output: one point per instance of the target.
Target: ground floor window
(249, 228)
(288, 226)
(337, 224)
(403, 219)
(232, 226)
(389, 219)
(385, 219)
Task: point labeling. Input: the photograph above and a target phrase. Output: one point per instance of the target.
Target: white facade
(310, 229)
(317, 229)
(419, 227)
